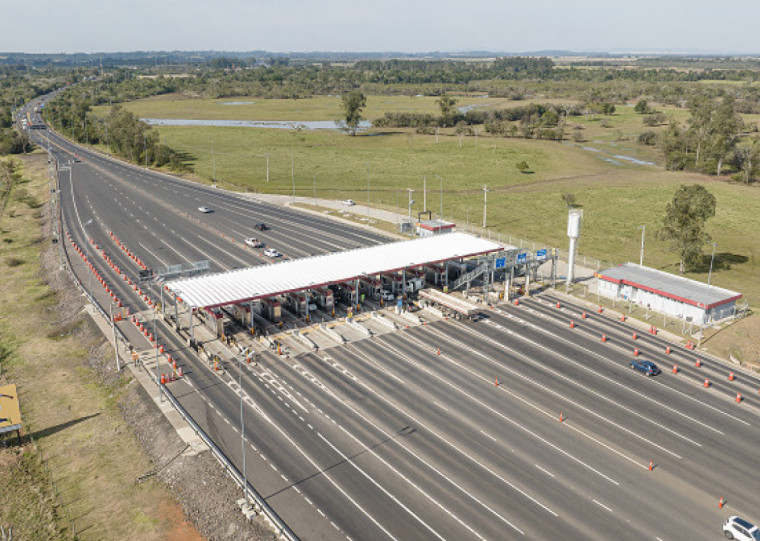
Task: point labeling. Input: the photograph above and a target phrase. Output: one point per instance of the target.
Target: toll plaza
(296, 293)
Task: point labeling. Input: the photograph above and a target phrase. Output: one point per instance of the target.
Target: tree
(642, 107)
(727, 126)
(352, 104)
(522, 166)
(746, 159)
(446, 103)
(684, 222)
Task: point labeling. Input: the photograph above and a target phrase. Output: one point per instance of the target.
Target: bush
(648, 138)
(14, 261)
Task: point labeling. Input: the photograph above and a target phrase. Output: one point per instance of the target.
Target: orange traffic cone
(730, 376)
(636, 352)
(720, 503)
(559, 305)
(572, 324)
(496, 382)
(600, 310)
(517, 302)
(738, 398)
(604, 337)
(707, 383)
(560, 417)
(698, 363)
(651, 465)
(439, 351)
(675, 369)
(634, 336)
(163, 379)
(583, 315)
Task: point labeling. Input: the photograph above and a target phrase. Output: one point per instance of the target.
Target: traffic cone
(651, 465)
(559, 305)
(181, 372)
(496, 382)
(604, 337)
(667, 350)
(634, 336)
(517, 302)
(720, 503)
(635, 352)
(707, 383)
(730, 376)
(572, 324)
(600, 310)
(583, 315)
(163, 379)
(738, 398)
(675, 369)
(439, 351)
(560, 417)
(698, 363)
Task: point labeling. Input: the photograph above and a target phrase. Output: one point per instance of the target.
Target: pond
(277, 124)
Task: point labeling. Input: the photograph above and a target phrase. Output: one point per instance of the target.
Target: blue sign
(501, 263)
(522, 258)
(400, 302)
(541, 254)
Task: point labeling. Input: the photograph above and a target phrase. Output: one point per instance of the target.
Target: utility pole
(293, 174)
(641, 257)
(424, 194)
(485, 204)
(712, 259)
(242, 428)
(367, 192)
(213, 162)
(411, 202)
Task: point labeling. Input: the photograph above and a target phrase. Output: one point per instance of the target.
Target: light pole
(485, 204)
(411, 202)
(213, 162)
(712, 259)
(641, 257)
(293, 174)
(242, 429)
(440, 214)
(315, 188)
(365, 163)
(113, 328)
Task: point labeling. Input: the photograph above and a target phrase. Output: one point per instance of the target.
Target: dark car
(261, 226)
(648, 367)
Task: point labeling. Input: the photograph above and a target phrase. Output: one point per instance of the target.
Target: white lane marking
(602, 505)
(173, 249)
(429, 528)
(547, 472)
(613, 381)
(444, 408)
(151, 253)
(447, 442)
(490, 360)
(498, 413)
(488, 435)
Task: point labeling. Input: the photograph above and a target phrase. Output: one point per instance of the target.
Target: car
(204, 209)
(271, 252)
(348, 202)
(387, 295)
(261, 226)
(738, 528)
(253, 242)
(648, 367)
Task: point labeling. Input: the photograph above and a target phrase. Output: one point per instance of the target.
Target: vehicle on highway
(253, 242)
(647, 367)
(387, 295)
(261, 226)
(271, 252)
(738, 528)
(348, 202)
(204, 209)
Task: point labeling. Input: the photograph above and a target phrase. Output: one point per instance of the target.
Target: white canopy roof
(269, 280)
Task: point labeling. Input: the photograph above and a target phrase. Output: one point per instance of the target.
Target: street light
(365, 163)
(242, 429)
(411, 202)
(641, 258)
(712, 259)
(485, 204)
(87, 237)
(440, 215)
(315, 188)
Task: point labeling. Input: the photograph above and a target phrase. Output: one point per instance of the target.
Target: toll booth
(272, 309)
(436, 273)
(216, 321)
(393, 283)
(418, 277)
(297, 302)
(346, 292)
(324, 298)
(241, 313)
(371, 287)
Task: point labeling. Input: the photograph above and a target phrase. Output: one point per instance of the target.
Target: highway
(449, 430)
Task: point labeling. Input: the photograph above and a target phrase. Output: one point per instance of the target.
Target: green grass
(616, 198)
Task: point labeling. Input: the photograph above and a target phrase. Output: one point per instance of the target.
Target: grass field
(91, 454)
(616, 198)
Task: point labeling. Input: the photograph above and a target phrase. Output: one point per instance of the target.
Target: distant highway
(449, 430)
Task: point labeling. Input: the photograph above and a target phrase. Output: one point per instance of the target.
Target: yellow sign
(10, 413)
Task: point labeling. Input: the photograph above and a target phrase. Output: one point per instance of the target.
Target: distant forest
(716, 90)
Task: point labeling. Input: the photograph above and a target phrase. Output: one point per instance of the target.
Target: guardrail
(281, 529)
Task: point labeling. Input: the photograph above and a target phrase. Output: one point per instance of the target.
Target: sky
(691, 26)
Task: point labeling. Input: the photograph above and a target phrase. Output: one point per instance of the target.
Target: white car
(348, 202)
(738, 528)
(253, 242)
(271, 252)
(204, 209)
(387, 296)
